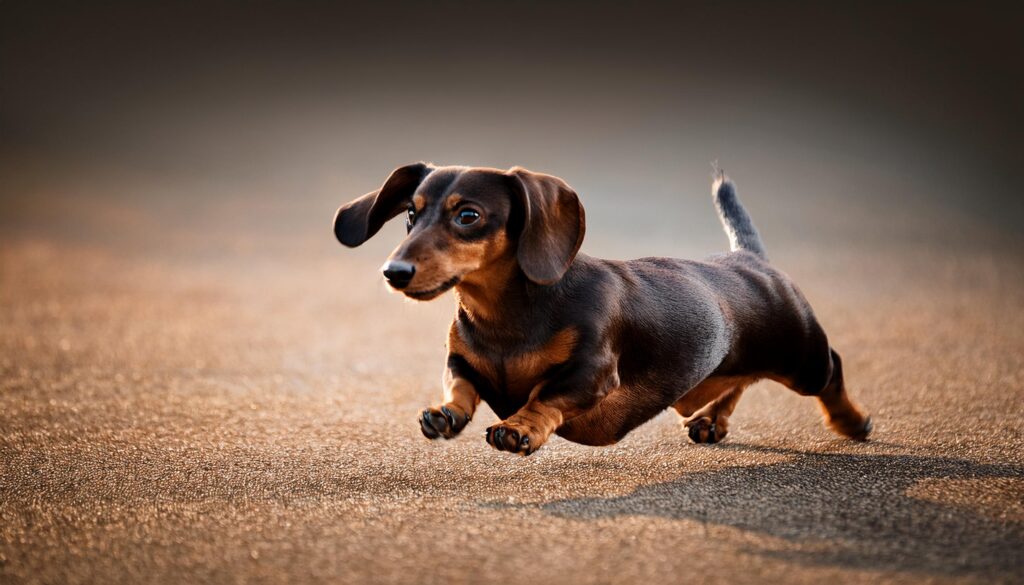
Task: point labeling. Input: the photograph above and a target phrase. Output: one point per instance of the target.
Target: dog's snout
(398, 273)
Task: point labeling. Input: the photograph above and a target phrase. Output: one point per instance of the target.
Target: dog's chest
(513, 370)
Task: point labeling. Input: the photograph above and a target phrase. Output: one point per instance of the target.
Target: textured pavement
(169, 415)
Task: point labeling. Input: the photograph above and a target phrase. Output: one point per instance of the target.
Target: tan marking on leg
(460, 394)
(710, 424)
(842, 415)
(708, 391)
(448, 419)
(458, 346)
(540, 418)
(528, 429)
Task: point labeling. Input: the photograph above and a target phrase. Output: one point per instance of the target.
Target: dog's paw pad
(442, 421)
(504, 437)
(703, 430)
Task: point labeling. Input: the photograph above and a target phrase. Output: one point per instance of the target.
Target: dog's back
(687, 325)
(769, 328)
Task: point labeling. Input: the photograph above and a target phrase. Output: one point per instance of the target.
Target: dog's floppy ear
(553, 225)
(357, 221)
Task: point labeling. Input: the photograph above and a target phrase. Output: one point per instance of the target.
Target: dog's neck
(494, 295)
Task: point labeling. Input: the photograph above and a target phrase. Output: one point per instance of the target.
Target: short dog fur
(559, 342)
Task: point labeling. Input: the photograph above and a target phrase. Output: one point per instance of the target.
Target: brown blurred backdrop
(255, 120)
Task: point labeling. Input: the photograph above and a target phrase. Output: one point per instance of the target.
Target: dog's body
(556, 341)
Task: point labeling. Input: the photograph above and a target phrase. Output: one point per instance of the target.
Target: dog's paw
(704, 430)
(514, 438)
(856, 427)
(443, 421)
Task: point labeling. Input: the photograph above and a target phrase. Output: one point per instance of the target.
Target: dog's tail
(738, 226)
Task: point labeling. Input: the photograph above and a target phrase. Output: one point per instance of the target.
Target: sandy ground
(170, 415)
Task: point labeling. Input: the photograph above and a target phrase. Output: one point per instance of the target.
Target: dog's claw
(512, 442)
(704, 431)
(427, 426)
(524, 446)
(504, 438)
(448, 415)
(498, 438)
(441, 422)
(694, 433)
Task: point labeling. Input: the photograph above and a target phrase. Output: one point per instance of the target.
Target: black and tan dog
(560, 342)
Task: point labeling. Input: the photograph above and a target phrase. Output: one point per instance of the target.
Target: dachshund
(555, 341)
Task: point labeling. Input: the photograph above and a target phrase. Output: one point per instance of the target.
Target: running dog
(555, 341)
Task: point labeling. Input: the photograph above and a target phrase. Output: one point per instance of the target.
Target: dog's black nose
(398, 273)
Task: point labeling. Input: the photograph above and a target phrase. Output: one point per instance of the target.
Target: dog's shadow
(844, 510)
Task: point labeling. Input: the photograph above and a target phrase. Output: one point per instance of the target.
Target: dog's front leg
(449, 418)
(526, 430)
(551, 403)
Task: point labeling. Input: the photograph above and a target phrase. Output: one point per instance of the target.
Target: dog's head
(464, 221)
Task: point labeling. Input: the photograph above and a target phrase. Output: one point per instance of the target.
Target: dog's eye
(467, 217)
(411, 219)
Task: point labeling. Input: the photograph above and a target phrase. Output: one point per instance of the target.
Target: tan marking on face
(481, 288)
(466, 256)
(419, 202)
(440, 256)
(436, 263)
(452, 201)
(474, 260)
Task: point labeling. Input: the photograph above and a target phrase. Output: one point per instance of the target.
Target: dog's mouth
(426, 295)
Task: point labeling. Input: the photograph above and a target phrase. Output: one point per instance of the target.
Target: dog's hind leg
(841, 414)
(710, 423)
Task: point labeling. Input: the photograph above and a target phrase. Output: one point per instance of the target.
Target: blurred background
(247, 124)
(199, 384)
